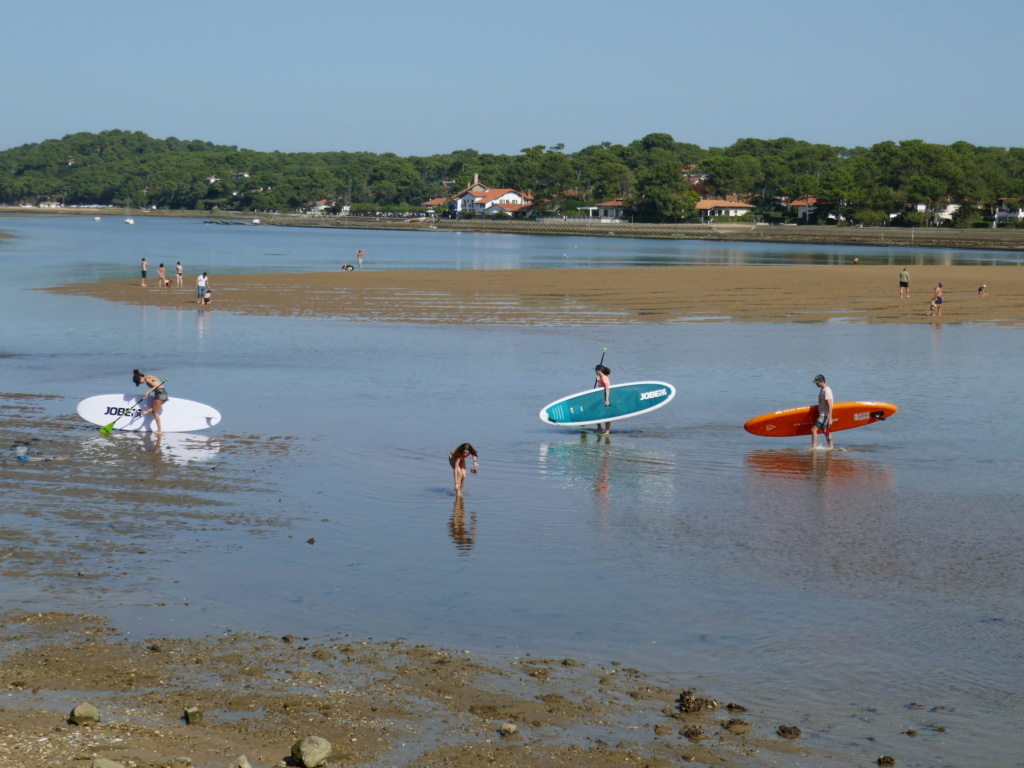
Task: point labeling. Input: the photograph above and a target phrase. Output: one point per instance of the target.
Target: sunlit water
(834, 589)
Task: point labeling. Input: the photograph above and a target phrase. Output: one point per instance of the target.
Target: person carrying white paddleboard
(824, 420)
(157, 390)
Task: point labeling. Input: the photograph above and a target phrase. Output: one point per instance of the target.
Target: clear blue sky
(419, 78)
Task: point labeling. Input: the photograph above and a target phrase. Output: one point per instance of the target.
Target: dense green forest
(863, 184)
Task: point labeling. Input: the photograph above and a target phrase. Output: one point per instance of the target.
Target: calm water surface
(832, 589)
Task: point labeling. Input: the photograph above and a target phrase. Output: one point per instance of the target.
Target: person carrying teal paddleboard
(601, 374)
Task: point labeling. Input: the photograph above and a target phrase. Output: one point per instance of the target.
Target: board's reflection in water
(605, 473)
(836, 467)
(829, 513)
(463, 534)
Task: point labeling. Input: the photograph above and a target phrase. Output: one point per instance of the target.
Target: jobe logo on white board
(653, 393)
(115, 411)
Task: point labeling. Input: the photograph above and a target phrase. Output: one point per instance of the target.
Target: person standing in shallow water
(144, 266)
(156, 389)
(457, 461)
(824, 421)
(179, 273)
(601, 374)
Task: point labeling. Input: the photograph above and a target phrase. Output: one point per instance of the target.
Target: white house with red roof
(1010, 209)
(712, 208)
(804, 206)
(480, 199)
(610, 211)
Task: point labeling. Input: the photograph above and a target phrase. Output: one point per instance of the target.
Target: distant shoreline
(875, 237)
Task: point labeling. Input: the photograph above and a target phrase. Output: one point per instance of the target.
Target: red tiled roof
(616, 203)
(800, 201)
(435, 201)
(494, 194)
(707, 205)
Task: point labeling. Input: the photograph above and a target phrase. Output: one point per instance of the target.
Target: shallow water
(832, 589)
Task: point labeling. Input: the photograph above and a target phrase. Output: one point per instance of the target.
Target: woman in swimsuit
(457, 461)
(601, 373)
(156, 389)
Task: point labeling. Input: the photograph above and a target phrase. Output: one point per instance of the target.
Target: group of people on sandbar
(204, 295)
(935, 305)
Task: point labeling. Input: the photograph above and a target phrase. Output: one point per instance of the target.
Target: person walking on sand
(179, 273)
(824, 421)
(156, 389)
(937, 300)
(161, 277)
(601, 379)
(359, 258)
(145, 266)
(457, 461)
(202, 281)
(904, 284)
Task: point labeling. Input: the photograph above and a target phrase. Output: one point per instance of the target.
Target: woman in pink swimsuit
(457, 461)
(601, 373)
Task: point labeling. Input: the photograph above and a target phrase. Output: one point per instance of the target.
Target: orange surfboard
(798, 421)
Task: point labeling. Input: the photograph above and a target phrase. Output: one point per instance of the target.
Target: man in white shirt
(202, 283)
(824, 420)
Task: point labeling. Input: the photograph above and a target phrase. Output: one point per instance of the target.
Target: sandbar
(560, 297)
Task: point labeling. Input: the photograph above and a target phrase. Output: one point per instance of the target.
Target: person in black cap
(824, 421)
(937, 299)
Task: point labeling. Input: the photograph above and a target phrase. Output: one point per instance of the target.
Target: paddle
(603, 350)
(106, 429)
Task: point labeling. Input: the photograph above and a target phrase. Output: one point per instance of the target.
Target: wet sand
(391, 702)
(599, 296)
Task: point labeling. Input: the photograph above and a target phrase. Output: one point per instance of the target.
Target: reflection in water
(608, 468)
(462, 535)
(836, 466)
(829, 514)
(179, 448)
(202, 323)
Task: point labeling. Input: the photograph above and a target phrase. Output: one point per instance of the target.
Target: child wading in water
(457, 461)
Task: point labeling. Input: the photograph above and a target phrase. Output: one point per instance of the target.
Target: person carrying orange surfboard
(824, 420)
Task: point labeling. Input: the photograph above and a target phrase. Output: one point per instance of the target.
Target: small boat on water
(127, 216)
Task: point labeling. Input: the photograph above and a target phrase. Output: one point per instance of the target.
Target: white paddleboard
(177, 415)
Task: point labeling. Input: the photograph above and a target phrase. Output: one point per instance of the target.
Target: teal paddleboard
(626, 401)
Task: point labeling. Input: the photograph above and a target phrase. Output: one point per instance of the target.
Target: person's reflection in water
(462, 535)
(604, 470)
(151, 445)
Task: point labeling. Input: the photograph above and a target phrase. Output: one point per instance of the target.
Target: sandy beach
(598, 296)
